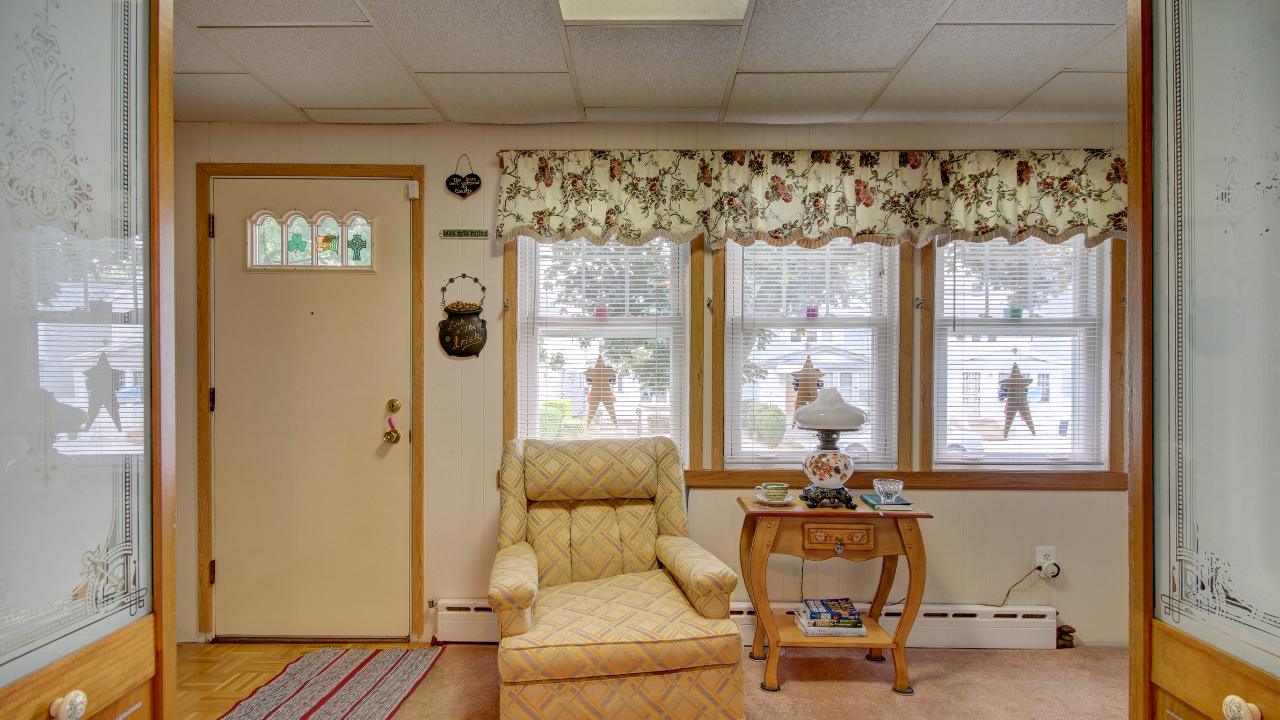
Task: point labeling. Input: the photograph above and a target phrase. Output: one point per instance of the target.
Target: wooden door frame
(205, 173)
(1141, 455)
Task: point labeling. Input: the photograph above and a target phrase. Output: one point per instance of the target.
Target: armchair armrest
(513, 587)
(704, 579)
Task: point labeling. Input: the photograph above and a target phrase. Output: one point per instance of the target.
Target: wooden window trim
(906, 351)
(718, 316)
(697, 323)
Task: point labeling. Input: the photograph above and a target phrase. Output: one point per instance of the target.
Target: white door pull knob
(1235, 708)
(70, 707)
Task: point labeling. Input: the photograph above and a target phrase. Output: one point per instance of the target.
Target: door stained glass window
(359, 243)
(299, 241)
(322, 241)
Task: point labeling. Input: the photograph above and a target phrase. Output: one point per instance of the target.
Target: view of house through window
(1020, 354)
(803, 319)
(602, 340)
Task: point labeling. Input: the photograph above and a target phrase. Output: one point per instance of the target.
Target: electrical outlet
(1046, 554)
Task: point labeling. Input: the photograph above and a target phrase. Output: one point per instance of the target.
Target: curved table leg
(761, 546)
(888, 570)
(744, 563)
(913, 543)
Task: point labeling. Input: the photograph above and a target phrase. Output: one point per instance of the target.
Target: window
(1012, 322)
(323, 242)
(602, 340)
(802, 319)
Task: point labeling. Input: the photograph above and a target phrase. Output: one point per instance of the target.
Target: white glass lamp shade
(830, 412)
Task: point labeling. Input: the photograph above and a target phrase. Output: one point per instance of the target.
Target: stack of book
(875, 502)
(830, 618)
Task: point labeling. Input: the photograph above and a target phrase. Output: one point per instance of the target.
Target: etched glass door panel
(74, 386)
(1217, 236)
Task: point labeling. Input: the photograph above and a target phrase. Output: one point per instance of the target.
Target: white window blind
(1020, 363)
(834, 308)
(603, 340)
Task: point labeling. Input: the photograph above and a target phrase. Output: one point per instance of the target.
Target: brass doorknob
(1235, 708)
(393, 435)
(393, 406)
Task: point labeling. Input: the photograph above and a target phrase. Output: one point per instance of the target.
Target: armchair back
(591, 509)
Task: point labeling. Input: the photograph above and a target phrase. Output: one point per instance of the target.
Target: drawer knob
(72, 706)
(1235, 708)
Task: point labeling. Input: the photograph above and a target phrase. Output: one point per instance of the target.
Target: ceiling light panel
(193, 53)
(1035, 11)
(624, 115)
(227, 98)
(986, 66)
(262, 12)
(652, 66)
(504, 97)
(323, 66)
(801, 97)
(658, 11)
(827, 35)
(379, 116)
(1075, 97)
(473, 36)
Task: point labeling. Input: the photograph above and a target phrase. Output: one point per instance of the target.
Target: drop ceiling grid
(670, 72)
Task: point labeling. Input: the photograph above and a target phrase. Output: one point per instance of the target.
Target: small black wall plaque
(462, 185)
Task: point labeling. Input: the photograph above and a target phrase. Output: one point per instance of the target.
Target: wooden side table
(816, 535)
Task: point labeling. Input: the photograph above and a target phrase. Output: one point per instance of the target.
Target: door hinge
(210, 399)
(213, 572)
(210, 224)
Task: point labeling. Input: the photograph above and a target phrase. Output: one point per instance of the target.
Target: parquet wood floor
(213, 677)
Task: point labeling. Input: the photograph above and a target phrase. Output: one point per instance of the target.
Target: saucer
(760, 499)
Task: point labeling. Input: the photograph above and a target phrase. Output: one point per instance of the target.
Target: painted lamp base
(834, 497)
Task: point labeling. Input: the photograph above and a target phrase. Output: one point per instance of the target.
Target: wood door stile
(781, 530)
(1195, 673)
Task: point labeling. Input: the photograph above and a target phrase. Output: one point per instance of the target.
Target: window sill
(937, 480)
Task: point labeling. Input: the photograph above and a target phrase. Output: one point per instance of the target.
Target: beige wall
(980, 541)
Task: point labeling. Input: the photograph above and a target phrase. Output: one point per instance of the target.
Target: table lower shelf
(790, 635)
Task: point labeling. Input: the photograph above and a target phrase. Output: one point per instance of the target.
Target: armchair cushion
(697, 571)
(513, 583)
(622, 625)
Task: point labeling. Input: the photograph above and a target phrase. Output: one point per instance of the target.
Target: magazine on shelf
(831, 609)
(810, 631)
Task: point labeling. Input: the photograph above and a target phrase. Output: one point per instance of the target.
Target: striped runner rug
(337, 684)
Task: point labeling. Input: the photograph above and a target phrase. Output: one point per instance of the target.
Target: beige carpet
(1087, 682)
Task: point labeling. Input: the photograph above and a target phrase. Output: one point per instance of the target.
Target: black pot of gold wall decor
(462, 185)
(464, 332)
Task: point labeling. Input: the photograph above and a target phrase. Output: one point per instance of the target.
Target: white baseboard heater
(1027, 627)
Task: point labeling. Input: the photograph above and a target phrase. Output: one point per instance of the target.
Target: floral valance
(812, 197)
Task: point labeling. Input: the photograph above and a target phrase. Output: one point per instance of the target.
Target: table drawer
(825, 536)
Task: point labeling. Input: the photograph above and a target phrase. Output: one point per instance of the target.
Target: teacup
(773, 491)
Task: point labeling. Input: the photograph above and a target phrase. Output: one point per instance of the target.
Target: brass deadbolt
(393, 406)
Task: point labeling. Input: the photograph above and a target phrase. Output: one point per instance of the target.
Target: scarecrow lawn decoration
(1014, 388)
(601, 378)
(806, 381)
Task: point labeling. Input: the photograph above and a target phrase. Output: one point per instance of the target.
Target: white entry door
(310, 503)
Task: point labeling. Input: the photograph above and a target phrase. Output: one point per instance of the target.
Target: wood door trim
(163, 376)
(205, 172)
(105, 670)
(1194, 672)
(1140, 394)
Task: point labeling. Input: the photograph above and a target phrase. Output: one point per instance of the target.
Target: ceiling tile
(1075, 97)
(653, 66)
(473, 36)
(802, 97)
(670, 114)
(504, 97)
(1035, 11)
(193, 53)
(809, 35)
(944, 115)
(387, 116)
(227, 98)
(323, 66)
(985, 66)
(259, 12)
(1108, 55)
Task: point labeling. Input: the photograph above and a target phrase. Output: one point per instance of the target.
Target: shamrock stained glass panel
(299, 241)
(328, 242)
(359, 243)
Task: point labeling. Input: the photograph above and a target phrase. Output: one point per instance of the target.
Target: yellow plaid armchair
(607, 608)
